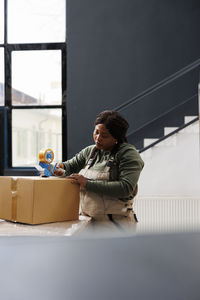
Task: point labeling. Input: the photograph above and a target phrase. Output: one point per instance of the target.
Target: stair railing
(159, 85)
(154, 88)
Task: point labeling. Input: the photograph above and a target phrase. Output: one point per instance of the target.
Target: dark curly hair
(114, 123)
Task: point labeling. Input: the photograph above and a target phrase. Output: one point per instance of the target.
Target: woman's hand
(59, 170)
(78, 179)
(60, 165)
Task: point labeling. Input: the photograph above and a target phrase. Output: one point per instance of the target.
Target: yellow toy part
(46, 156)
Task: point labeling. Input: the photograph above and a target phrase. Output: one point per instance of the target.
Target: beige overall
(105, 211)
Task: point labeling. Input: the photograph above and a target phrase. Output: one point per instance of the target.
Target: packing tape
(14, 206)
(14, 199)
(46, 156)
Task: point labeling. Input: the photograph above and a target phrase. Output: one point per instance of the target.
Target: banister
(159, 85)
(163, 114)
(168, 135)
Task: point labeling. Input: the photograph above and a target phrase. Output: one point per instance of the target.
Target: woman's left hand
(78, 179)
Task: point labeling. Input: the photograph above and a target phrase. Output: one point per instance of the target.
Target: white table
(68, 228)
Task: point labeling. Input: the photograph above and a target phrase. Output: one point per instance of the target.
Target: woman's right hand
(59, 170)
(60, 166)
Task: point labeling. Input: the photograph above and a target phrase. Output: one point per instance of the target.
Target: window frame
(9, 107)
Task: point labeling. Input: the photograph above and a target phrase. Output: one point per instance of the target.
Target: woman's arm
(130, 165)
(75, 164)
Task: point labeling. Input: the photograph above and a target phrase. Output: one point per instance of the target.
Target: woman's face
(102, 138)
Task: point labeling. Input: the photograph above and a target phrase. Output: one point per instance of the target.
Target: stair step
(168, 130)
(148, 142)
(169, 142)
(193, 128)
(188, 119)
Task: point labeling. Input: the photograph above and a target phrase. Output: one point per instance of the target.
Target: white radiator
(167, 214)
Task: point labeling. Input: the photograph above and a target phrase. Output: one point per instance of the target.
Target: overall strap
(111, 159)
(92, 158)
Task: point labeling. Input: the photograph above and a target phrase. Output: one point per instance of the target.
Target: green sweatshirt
(124, 173)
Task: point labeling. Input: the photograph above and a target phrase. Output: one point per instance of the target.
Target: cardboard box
(37, 200)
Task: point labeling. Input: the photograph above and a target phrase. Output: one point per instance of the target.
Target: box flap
(25, 190)
(55, 199)
(5, 197)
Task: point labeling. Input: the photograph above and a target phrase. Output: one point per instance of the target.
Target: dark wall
(1, 141)
(117, 49)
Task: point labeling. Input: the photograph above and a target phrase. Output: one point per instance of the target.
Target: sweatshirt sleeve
(129, 167)
(75, 164)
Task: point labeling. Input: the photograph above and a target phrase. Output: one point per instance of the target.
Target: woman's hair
(114, 123)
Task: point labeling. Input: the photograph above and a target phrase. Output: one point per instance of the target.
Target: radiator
(167, 214)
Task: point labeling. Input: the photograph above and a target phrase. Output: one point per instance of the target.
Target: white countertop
(67, 228)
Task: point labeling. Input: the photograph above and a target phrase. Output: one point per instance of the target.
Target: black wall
(2, 154)
(119, 48)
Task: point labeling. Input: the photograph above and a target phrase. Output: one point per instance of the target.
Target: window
(1, 76)
(33, 61)
(36, 21)
(42, 130)
(36, 77)
(1, 21)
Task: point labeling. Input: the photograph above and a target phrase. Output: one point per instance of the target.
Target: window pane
(36, 21)
(36, 77)
(1, 76)
(32, 130)
(1, 21)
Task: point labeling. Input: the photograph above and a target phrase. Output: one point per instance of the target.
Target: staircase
(162, 105)
(167, 132)
(169, 188)
(165, 124)
(164, 127)
(172, 166)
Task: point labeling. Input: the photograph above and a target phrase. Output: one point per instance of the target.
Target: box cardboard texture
(37, 200)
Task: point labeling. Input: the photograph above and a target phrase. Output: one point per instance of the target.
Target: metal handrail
(168, 135)
(163, 114)
(159, 85)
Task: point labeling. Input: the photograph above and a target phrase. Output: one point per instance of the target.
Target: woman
(107, 172)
